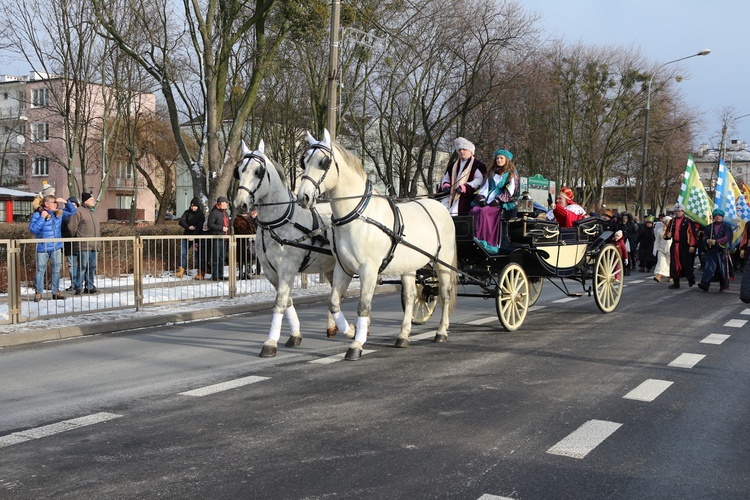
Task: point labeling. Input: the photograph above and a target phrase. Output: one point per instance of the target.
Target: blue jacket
(52, 228)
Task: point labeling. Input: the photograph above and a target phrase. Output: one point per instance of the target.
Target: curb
(51, 334)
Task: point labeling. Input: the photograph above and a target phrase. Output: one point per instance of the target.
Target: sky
(666, 30)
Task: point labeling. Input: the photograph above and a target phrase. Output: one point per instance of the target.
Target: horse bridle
(261, 173)
(325, 165)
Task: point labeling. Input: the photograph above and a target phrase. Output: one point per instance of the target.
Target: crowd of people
(69, 219)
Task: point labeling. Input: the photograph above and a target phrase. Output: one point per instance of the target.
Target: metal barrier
(130, 273)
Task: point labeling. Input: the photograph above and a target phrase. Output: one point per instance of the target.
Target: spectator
(718, 237)
(218, 225)
(46, 223)
(245, 224)
(462, 178)
(681, 230)
(84, 224)
(646, 239)
(630, 233)
(565, 210)
(70, 249)
(202, 248)
(495, 200)
(191, 221)
(661, 249)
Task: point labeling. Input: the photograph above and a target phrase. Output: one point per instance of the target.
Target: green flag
(698, 205)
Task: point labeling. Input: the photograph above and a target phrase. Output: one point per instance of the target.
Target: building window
(39, 98)
(22, 167)
(124, 170)
(123, 201)
(41, 167)
(40, 132)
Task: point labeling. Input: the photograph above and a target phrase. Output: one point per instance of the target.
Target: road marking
(483, 321)
(422, 336)
(487, 496)
(566, 299)
(686, 360)
(56, 428)
(224, 386)
(583, 440)
(633, 282)
(648, 390)
(735, 323)
(715, 338)
(536, 308)
(745, 312)
(338, 357)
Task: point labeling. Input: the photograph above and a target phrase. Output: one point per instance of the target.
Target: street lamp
(644, 164)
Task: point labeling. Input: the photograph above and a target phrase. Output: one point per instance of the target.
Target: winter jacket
(50, 228)
(190, 218)
(217, 220)
(84, 224)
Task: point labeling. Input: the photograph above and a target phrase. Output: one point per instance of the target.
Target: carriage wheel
(535, 289)
(608, 279)
(512, 301)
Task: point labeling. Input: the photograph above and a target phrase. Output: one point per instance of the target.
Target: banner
(731, 199)
(698, 206)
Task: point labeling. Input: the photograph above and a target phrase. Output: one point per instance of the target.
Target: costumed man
(622, 249)
(462, 178)
(681, 230)
(645, 242)
(564, 210)
(744, 254)
(717, 236)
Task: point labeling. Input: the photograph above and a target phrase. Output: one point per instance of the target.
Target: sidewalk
(150, 317)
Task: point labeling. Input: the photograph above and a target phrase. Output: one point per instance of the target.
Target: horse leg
(291, 316)
(331, 328)
(446, 282)
(368, 280)
(282, 299)
(409, 293)
(339, 284)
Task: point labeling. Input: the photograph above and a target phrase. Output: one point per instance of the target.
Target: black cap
(222, 199)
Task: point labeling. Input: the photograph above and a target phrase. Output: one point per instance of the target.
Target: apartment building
(33, 148)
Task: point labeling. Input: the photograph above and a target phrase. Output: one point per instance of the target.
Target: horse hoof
(404, 343)
(268, 351)
(440, 337)
(331, 332)
(293, 341)
(353, 354)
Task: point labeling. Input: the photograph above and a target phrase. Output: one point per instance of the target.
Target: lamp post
(644, 163)
(723, 146)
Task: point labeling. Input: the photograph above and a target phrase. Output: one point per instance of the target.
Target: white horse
(288, 241)
(374, 235)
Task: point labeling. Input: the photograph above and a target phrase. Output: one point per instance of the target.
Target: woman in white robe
(661, 250)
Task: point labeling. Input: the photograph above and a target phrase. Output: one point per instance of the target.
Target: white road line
(745, 312)
(686, 360)
(487, 496)
(633, 282)
(56, 428)
(338, 357)
(583, 440)
(536, 308)
(649, 390)
(224, 386)
(715, 338)
(483, 321)
(566, 299)
(735, 323)
(423, 336)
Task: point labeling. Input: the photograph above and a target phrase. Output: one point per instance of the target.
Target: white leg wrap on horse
(340, 320)
(362, 326)
(275, 332)
(291, 317)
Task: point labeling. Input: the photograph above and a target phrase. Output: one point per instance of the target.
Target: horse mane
(350, 159)
(280, 170)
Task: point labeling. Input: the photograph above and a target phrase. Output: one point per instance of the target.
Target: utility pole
(333, 65)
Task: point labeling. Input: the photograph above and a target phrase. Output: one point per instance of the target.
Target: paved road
(650, 401)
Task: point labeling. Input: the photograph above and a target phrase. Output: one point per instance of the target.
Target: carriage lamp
(525, 205)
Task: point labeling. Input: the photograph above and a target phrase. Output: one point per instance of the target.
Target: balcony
(122, 183)
(124, 214)
(12, 112)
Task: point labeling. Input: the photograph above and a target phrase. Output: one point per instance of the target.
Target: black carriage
(532, 251)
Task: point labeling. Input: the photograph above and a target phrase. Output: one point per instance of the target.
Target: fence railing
(128, 273)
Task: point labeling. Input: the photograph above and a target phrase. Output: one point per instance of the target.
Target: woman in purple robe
(495, 200)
